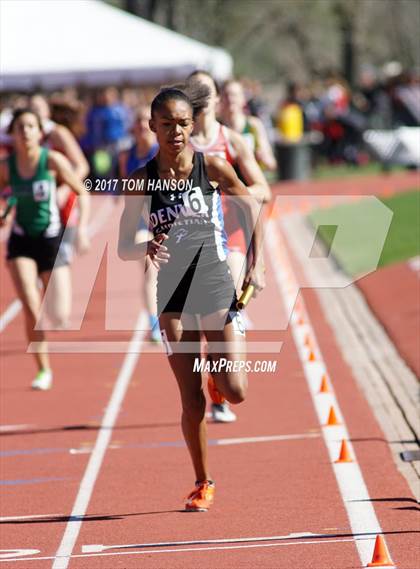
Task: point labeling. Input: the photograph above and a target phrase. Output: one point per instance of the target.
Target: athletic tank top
(219, 146)
(36, 203)
(189, 214)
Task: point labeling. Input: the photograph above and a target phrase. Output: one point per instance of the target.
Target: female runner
(32, 172)
(195, 287)
(59, 137)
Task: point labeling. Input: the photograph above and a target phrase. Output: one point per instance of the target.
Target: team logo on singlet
(180, 234)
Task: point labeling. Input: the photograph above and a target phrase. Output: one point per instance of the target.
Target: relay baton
(245, 297)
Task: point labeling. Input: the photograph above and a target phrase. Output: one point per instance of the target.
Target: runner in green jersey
(31, 172)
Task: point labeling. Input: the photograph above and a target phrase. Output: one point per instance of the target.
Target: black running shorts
(43, 250)
(198, 290)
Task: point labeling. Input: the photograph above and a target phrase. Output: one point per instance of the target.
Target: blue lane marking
(21, 481)
(175, 444)
(32, 451)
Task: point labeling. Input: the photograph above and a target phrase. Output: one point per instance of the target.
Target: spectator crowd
(102, 120)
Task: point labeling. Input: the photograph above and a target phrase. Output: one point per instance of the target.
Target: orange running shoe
(201, 498)
(214, 393)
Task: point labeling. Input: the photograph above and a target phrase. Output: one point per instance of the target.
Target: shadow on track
(66, 428)
(86, 518)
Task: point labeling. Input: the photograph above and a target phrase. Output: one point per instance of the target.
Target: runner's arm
(66, 175)
(136, 206)
(264, 152)
(5, 211)
(64, 141)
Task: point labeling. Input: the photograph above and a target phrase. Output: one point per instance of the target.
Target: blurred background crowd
(326, 111)
(337, 81)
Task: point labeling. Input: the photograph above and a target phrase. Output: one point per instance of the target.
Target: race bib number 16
(194, 203)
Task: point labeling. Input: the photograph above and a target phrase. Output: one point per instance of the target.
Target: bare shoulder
(216, 166)
(237, 141)
(232, 135)
(57, 160)
(59, 132)
(214, 161)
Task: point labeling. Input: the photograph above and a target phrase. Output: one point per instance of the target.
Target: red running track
(276, 493)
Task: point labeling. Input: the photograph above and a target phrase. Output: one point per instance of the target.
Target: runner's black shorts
(197, 290)
(43, 250)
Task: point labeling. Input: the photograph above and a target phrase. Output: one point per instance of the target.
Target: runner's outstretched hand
(157, 251)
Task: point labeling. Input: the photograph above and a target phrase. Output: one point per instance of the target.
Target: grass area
(331, 171)
(360, 233)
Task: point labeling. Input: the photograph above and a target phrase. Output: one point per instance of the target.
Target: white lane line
(13, 553)
(267, 439)
(12, 428)
(105, 432)
(94, 226)
(211, 442)
(99, 548)
(349, 477)
(10, 313)
(192, 549)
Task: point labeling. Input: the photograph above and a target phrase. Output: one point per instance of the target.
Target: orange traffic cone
(324, 385)
(345, 455)
(307, 341)
(301, 321)
(332, 418)
(311, 357)
(381, 556)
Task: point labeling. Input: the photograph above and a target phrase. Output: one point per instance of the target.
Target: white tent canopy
(49, 44)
